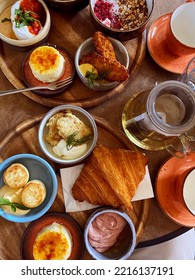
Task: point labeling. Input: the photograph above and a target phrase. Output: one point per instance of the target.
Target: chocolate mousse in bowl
(109, 235)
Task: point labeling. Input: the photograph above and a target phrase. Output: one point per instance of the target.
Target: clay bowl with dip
(109, 234)
(67, 6)
(21, 39)
(35, 190)
(101, 85)
(114, 23)
(75, 134)
(46, 64)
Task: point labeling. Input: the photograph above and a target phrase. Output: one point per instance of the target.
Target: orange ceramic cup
(180, 35)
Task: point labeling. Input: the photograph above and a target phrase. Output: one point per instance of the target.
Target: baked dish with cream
(68, 135)
(47, 64)
(53, 242)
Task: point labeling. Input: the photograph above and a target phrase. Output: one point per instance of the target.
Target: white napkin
(69, 176)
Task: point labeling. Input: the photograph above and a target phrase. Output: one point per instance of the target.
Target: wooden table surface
(17, 108)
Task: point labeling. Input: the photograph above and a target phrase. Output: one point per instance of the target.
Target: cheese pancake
(47, 64)
(16, 176)
(53, 242)
(33, 193)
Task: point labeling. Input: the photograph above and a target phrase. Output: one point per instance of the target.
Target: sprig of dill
(71, 141)
(92, 77)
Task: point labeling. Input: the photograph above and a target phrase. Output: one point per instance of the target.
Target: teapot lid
(171, 107)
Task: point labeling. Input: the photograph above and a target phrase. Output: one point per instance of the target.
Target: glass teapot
(163, 117)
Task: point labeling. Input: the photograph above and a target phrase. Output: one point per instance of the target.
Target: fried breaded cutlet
(104, 46)
(64, 124)
(113, 70)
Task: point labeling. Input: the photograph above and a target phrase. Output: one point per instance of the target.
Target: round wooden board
(69, 31)
(23, 139)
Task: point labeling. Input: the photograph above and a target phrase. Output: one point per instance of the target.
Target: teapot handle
(179, 147)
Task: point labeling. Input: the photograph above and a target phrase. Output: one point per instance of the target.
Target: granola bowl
(124, 20)
(67, 134)
(21, 43)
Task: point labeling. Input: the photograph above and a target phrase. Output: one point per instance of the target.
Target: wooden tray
(70, 31)
(23, 139)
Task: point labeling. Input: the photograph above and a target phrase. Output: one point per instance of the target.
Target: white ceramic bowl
(38, 169)
(25, 45)
(86, 47)
(84, 116)
(124, 247)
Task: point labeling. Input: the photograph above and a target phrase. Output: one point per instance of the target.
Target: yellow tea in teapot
(153, 118)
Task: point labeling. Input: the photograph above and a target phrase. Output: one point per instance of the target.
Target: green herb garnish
(72, 141)
(93, 77)
(23, 18)
(13, 205)
(5, 19)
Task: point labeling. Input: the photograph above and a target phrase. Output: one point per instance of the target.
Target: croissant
(110, 177)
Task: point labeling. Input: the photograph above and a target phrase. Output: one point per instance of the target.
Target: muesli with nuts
(121, 14)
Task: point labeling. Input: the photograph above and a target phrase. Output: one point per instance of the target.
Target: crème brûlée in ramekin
(53, 242)
(47, 64)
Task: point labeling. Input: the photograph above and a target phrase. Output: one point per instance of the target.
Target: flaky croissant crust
(110, 177)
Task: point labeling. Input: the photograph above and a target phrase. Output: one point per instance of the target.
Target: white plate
(189, 191)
